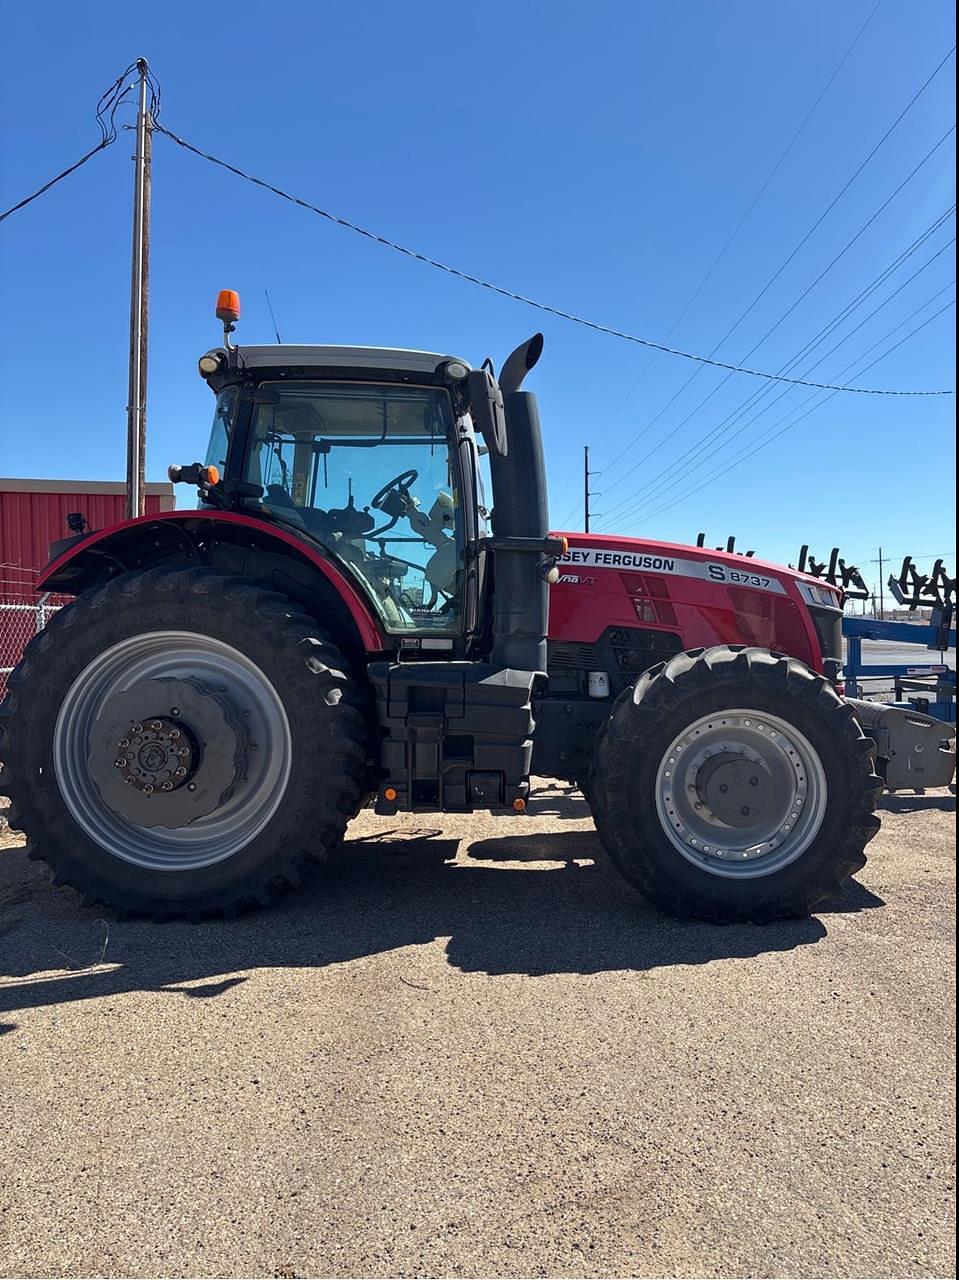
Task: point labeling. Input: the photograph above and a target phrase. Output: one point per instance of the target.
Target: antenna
(273, 318)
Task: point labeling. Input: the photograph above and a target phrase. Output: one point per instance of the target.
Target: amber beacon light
(228, 306)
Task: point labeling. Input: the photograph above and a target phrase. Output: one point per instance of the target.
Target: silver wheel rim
(240, 684)
(741, 794)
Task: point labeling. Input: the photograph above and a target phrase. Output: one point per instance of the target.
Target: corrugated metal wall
(33, 513)
(31, 520)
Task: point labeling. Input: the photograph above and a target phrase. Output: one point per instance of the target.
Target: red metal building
(33, 513)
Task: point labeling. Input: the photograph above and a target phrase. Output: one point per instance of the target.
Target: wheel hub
(167, 768)
(740, 793)
(158, 755)
(734, 790)
(232, 722)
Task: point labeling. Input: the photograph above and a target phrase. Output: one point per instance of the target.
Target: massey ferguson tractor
(367, 606)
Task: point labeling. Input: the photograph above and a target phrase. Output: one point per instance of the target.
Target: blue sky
(595, 156)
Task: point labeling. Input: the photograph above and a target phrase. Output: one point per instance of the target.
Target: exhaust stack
(520, 591)
(518, 364)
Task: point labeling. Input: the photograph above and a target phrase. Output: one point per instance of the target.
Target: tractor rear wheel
(182, 742)
(734, 784)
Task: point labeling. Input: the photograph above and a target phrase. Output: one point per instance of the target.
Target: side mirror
(486, 407)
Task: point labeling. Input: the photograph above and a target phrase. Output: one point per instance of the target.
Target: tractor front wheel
(182, 742)
(734, 784)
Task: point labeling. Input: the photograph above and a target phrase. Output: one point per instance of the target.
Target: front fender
(146, 540)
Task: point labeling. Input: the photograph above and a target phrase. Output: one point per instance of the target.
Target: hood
(598, 551)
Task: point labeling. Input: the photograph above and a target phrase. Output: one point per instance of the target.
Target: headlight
(823, 596)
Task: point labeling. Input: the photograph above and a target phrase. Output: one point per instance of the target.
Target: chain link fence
(23, 612)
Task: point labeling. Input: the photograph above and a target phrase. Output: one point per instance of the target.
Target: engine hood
(596, 552)
(636, 601)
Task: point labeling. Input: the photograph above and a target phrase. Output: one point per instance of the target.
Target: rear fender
(239, 543)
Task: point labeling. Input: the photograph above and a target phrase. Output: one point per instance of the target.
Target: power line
(519, 297)
(636, 509)
(739, 226)
(908, 178)
(21, 204)
(761, 393)
(919, 555)
(106, 110)
(845, 187)
(909, 105)
(751, 452)
(789, 363)
(766, 438)
(745, 456)
(755, 200)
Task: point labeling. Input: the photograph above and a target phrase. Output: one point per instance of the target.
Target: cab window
(220, 431)
(366, 470)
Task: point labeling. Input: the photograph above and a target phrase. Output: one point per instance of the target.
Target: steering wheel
(400, 482)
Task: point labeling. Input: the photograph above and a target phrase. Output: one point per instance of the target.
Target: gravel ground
(468, 1051)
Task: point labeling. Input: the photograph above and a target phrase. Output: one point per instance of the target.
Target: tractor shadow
(558, 800)
(500, 915)
(906, 802)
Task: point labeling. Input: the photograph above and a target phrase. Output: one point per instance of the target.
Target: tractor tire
(734, 784)
(182, 743)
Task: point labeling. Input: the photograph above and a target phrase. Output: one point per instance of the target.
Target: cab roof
(267, 357)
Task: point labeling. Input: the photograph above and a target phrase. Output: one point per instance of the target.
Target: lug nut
(166, 786)
(130, 781)
(179, 773)
(123, 743)
(174, 734)
(136, 727)
(119, 764)
(147, 790)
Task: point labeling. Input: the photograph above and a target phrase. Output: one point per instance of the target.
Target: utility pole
(882, 606)
(139, 297)
(587, 492)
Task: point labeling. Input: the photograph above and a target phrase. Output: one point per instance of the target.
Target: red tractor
(367, 605)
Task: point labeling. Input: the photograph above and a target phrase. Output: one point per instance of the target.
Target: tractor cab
(381, 473)
(375, 458)
(378, 456)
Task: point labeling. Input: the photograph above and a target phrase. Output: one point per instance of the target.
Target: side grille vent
(624, 652)
(569, 655)
(636, 651)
